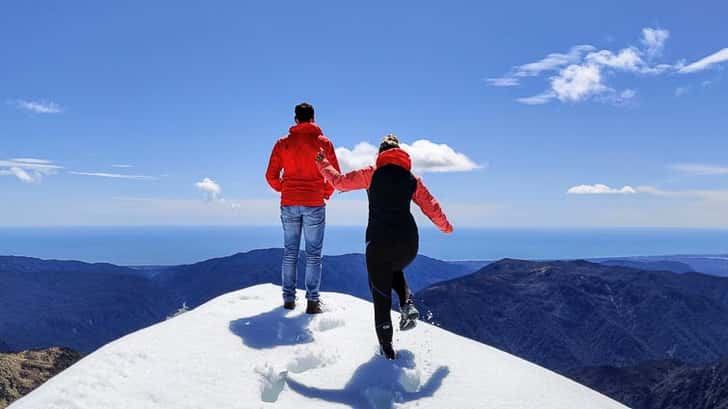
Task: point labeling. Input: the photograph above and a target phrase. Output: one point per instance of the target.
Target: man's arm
(275, 165)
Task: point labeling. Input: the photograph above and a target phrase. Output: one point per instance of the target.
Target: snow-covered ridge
(242, 350)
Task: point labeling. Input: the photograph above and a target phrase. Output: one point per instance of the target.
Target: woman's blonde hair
(389, 142)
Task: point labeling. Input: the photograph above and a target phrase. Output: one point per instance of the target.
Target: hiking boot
(408, 316)
(314, 307)
(387, 351)
(289, 305)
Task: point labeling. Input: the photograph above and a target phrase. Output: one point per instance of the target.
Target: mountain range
(196, 283)
(571, 314)
(47, 303)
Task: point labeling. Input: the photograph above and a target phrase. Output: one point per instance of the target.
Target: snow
(242, 350)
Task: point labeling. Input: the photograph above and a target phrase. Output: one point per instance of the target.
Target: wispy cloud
(552, 62)
(210, 188)
(28, 170)
(122, 166)
(426, 156)
(700, 169)
(706, 195)
(600, 189)
(538, 99)
(706, 62)
(502, 82)
(112, 175)
(653, 40)
(582, 73)
(39, 107)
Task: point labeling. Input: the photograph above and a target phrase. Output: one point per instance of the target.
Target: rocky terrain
(22, 372)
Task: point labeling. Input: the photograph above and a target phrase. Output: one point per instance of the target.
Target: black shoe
(388, 352)
(289, 305)
(408, 316)
(314, 307)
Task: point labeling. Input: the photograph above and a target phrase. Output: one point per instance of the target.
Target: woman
(392, 237)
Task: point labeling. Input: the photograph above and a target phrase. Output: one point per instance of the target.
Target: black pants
(386, 260)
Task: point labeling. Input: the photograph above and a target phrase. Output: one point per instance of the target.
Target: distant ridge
(56, 302)
(568, 314)
(660, 384)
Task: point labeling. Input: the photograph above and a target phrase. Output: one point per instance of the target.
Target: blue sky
(189, 97)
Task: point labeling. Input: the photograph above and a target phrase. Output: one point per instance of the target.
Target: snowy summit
(243, 350)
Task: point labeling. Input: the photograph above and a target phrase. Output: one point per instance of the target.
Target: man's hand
(320, 155)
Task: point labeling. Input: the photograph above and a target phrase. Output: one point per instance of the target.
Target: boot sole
(410, 321)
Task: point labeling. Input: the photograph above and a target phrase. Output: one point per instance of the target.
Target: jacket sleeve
(356, 179)
(330, 154)
(431, 208)
(275, 165)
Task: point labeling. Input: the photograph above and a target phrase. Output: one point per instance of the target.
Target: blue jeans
(312, 220)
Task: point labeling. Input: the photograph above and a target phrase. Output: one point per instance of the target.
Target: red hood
(394, 156)
(305, 129)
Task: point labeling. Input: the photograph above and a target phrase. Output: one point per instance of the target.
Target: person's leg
(314, 224)
(399, 285)
(291, 220)
(405, 253)
(380, 284)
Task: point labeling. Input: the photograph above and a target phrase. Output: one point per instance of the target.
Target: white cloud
(433, 157)
(539, 99)
(653, 39)
(426, 156)
(210, 187)
(599, 189)
(578, 82)
(627, 59)
(583, 72)
(112, 175)
(361, 156)
(20, 173)
(552, 62)
(703, 63)
(503, 82)
(28, 170)
(40, 107)
(701, 169)
(32, 161)
(122, 166)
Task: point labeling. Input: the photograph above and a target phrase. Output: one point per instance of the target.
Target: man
(303, 194)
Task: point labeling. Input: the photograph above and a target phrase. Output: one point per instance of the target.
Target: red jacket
(301, 183)
(362, 178)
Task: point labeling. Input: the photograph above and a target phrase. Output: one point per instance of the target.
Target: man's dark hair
(304, 112)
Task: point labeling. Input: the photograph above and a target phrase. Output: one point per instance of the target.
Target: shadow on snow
(379, 384)
(272, 329)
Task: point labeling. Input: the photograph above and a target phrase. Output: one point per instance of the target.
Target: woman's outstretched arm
(431, 208)
(356, 179)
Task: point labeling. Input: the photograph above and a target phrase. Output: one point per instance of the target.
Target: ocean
(179, 245)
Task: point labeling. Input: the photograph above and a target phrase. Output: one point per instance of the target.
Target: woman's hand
(320, 155)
